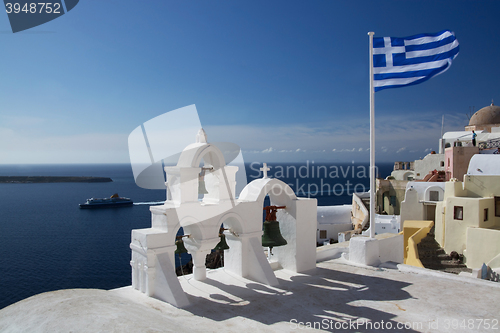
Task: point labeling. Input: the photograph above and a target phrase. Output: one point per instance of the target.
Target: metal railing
(494, 143)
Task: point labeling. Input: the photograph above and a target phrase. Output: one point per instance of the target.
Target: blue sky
(285, 80)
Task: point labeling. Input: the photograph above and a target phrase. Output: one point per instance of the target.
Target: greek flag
(399, 62)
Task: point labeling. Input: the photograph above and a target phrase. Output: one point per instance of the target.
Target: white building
(421, 168)
(332, 220)
(484, 165)
(420, 201)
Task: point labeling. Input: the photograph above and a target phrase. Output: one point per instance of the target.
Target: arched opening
(183, 260)
(276, 206)
(408, 176)
(271, 233)
(434, 193)
(211, 162)
(208, 183)
(231, 228)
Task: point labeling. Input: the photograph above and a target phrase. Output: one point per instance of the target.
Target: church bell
(201, 183)
(222, 245)
(180, 247)
(201, 187)
(272, 235)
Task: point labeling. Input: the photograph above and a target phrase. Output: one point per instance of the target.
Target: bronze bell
(272, 235)
(201, 182)
(222, 245)
(180, 247)
(201, 187)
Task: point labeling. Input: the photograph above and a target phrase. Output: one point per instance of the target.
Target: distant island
(51, 179)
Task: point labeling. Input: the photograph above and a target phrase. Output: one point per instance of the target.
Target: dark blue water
(48, 243)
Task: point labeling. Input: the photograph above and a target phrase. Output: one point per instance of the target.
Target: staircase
(434, 257)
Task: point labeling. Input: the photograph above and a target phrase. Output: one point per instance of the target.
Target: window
(497, 206)
(458, 213)
(442, 163)
(433, 196)
(322, 234)
(485, 215)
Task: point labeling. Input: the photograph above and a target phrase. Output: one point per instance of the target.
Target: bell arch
(186, 179)
(192, 155)
(279, 192)
(234, 221)
(245, 256)
(297, 222)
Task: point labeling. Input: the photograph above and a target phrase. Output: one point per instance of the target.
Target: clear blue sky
(285, 80)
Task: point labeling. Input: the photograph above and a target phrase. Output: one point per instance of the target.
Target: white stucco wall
(391, 248)
(403, 174)
(475, 195)
(481, 186)
(340, 214)
(484, 165)
(455, 230)
(387, 224)
(429, 163)
(423, 189)
(413, 207)
(482, 246)
(374, 251)
(439, 223)
(333, 219)
(332, 231)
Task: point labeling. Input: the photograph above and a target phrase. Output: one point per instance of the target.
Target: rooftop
(487, 115)
(335, 293)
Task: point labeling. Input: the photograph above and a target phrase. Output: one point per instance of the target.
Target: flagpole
(372, 142)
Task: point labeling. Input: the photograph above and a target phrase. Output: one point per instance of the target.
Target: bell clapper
(269, 253)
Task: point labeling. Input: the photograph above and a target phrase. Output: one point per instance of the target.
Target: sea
(48, 243)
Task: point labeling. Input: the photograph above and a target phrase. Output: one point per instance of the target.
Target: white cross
(388, 50)
(265, 169)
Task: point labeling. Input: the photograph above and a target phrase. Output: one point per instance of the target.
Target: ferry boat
(114, 201)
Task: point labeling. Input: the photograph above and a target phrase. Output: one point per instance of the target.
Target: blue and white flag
(399, 62)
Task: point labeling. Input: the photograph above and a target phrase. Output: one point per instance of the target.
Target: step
(457, 270)
(440, 265)
(429, 245)
(428, 239)
(443, 256)
(452, 263)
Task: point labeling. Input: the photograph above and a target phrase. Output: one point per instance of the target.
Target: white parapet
(374, 251)
(153, 268)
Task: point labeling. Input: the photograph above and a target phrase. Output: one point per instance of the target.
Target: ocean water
(47, 243)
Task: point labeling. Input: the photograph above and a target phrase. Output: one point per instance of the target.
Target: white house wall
(429, 163)
(333, 220)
